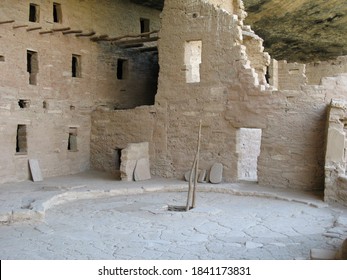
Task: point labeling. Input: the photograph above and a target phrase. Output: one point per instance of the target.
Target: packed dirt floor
(92, 216)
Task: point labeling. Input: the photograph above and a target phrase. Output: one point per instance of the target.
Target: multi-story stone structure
(73, 72)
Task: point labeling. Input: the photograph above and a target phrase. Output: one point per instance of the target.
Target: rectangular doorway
(248, 148)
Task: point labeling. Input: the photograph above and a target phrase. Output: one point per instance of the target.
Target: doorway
(248, 148)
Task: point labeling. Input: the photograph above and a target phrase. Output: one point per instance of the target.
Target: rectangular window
(2, 58)
(144, 25)
(21, 139)
(57, 13)
(76, 66)
(192, 61)
(34, 13)
(24, 103)
(32, 66)
(72, 141)
(122, 69)
(118, 156)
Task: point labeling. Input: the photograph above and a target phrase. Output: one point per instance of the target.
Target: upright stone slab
(216, 173)
(129, 160)
(142, 171)
(187, 176)
(202, 176)
(35, 170)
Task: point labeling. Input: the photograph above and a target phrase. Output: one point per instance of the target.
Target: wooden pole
(133, 36)
(196, 168)
(46, 32)
(33, 28)
(72, 32)
(7, 21)
(85, 34)
(194, 175)
(20, 26)
(190, 187)
(61, 29)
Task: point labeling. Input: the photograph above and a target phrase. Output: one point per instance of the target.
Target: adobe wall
(59, 103)
(228, 98)
(115, 129)
(227, 95)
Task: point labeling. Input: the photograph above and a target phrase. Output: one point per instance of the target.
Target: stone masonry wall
(336, 151)
(226, 97)
(315, 71)
(115, 129)
(58, 106)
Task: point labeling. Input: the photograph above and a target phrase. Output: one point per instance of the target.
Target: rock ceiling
(295, 30)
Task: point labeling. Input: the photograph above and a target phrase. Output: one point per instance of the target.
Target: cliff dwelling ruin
(120, 87)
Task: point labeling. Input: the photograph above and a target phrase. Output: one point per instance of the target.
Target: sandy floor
(139, 226)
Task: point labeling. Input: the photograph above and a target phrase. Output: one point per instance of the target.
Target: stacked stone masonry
(58, 101)
(234, 85)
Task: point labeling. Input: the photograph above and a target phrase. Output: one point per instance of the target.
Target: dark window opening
(57, 13)
(76, 66)
(72, 141)
(34, 13)
(44, 105)
(144, 25)
(122, 69)
(24, 103)
(267, 75)
(32, 66)
(2, 58)
(118, 155)
(21, 139)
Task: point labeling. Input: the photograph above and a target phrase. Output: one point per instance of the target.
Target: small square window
(2, 58)
(34, 13)
(57, 13)
(76, 70)
(24, 103)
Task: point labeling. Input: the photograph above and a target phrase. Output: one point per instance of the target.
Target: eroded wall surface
(335, 157)
(54, 106)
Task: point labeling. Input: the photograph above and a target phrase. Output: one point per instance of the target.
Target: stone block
(142, 170)
(335, 145)
(202, 176)
(216, 173)
(35, 170)
(135, 156)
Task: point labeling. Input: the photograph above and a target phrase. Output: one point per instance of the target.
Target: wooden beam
(34, 28)
(132, 46)
(149, 49)
(136, 41)
(7, 21)
(99, 38)
(72, 32)
(20, 26)
(85, 34)
(46, 32)
(133, 36)
(61, 29)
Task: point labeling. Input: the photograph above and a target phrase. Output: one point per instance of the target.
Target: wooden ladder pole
(196, 173)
